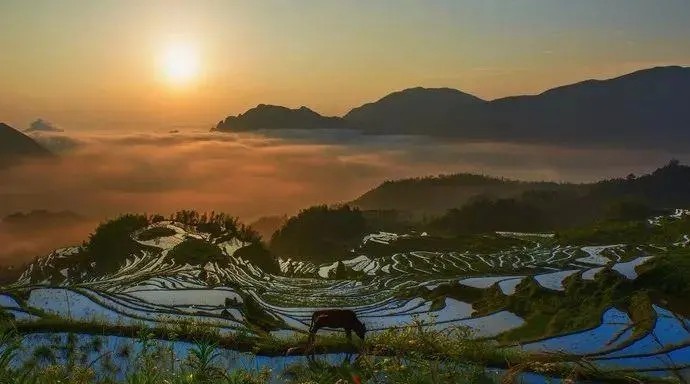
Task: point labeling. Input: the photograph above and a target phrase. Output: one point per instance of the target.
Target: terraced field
(390, 291)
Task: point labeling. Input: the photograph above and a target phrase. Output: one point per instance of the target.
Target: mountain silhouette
(424, 111)
(265, 116)
(643, 108)
(647, 107)
(15, 146)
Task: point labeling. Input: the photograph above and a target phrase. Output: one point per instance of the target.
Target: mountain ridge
(15, 146)
(266, 116)
(642, 108)
(666, 187)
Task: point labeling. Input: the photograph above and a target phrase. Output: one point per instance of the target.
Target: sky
(101, 65)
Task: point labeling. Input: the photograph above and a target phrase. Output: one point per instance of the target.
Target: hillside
(15, 146)
(436, 194)
(667, 187)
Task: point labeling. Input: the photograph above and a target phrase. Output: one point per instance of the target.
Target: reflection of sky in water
(654, 362)
(668, 331)
(21, 315)
(509, 286)
(627, 269)
(112, 351)
(590, 273)
(74, 306)
(123, 353)
(591, 341)
(7, 301)
(554, 280)
(486, 326)
(485, 282)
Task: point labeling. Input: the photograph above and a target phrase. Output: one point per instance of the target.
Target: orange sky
(97, 65)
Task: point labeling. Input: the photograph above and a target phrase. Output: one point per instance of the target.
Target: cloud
(252, 175)
(40, 125)
(39, 233)
(56, 143)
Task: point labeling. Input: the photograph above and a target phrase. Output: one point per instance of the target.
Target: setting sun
(180, 63)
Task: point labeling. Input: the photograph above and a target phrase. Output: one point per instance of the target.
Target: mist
(253, 175)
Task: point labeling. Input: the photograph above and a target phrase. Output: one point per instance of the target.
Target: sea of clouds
(250, 175)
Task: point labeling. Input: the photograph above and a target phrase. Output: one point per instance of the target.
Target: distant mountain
(266, 226)
(276, 117)
(647, 107)
(426, 111)
(40, 125)
(643, 108)
(15, 146)
(40, 218)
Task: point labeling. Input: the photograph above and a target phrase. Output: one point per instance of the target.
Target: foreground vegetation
(410, 355)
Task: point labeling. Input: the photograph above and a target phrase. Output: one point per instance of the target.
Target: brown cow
(336, 318)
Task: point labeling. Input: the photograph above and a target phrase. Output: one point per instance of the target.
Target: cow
(336, 318)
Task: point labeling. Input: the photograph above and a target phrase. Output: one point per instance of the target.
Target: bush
(197, 252)
(257, 254)
(320, 234)
(111, 243)
(155, 232)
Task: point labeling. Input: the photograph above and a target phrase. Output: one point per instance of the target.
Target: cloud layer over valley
(250, 175)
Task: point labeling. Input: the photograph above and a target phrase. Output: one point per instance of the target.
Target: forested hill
(666, 187)
(436, 194)
(450, 207)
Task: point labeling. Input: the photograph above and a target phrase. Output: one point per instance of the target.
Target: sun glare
(180, 63)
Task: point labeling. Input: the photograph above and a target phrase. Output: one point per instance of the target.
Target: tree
(320, 234)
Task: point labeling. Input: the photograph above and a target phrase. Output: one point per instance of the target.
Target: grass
(415, 354)
(549, 313)
(152, 364)
(419, 355)
(256, 315)
(637, 232)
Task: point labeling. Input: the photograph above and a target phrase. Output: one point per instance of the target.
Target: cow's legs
(312, 333)
(312, 338)
(312, 330)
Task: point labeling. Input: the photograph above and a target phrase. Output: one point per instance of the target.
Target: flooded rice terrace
(416, 288)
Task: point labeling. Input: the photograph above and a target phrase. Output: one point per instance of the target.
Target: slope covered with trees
(320, 234)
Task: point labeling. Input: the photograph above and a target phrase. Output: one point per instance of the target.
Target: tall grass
(418, 354)
(422, 355)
